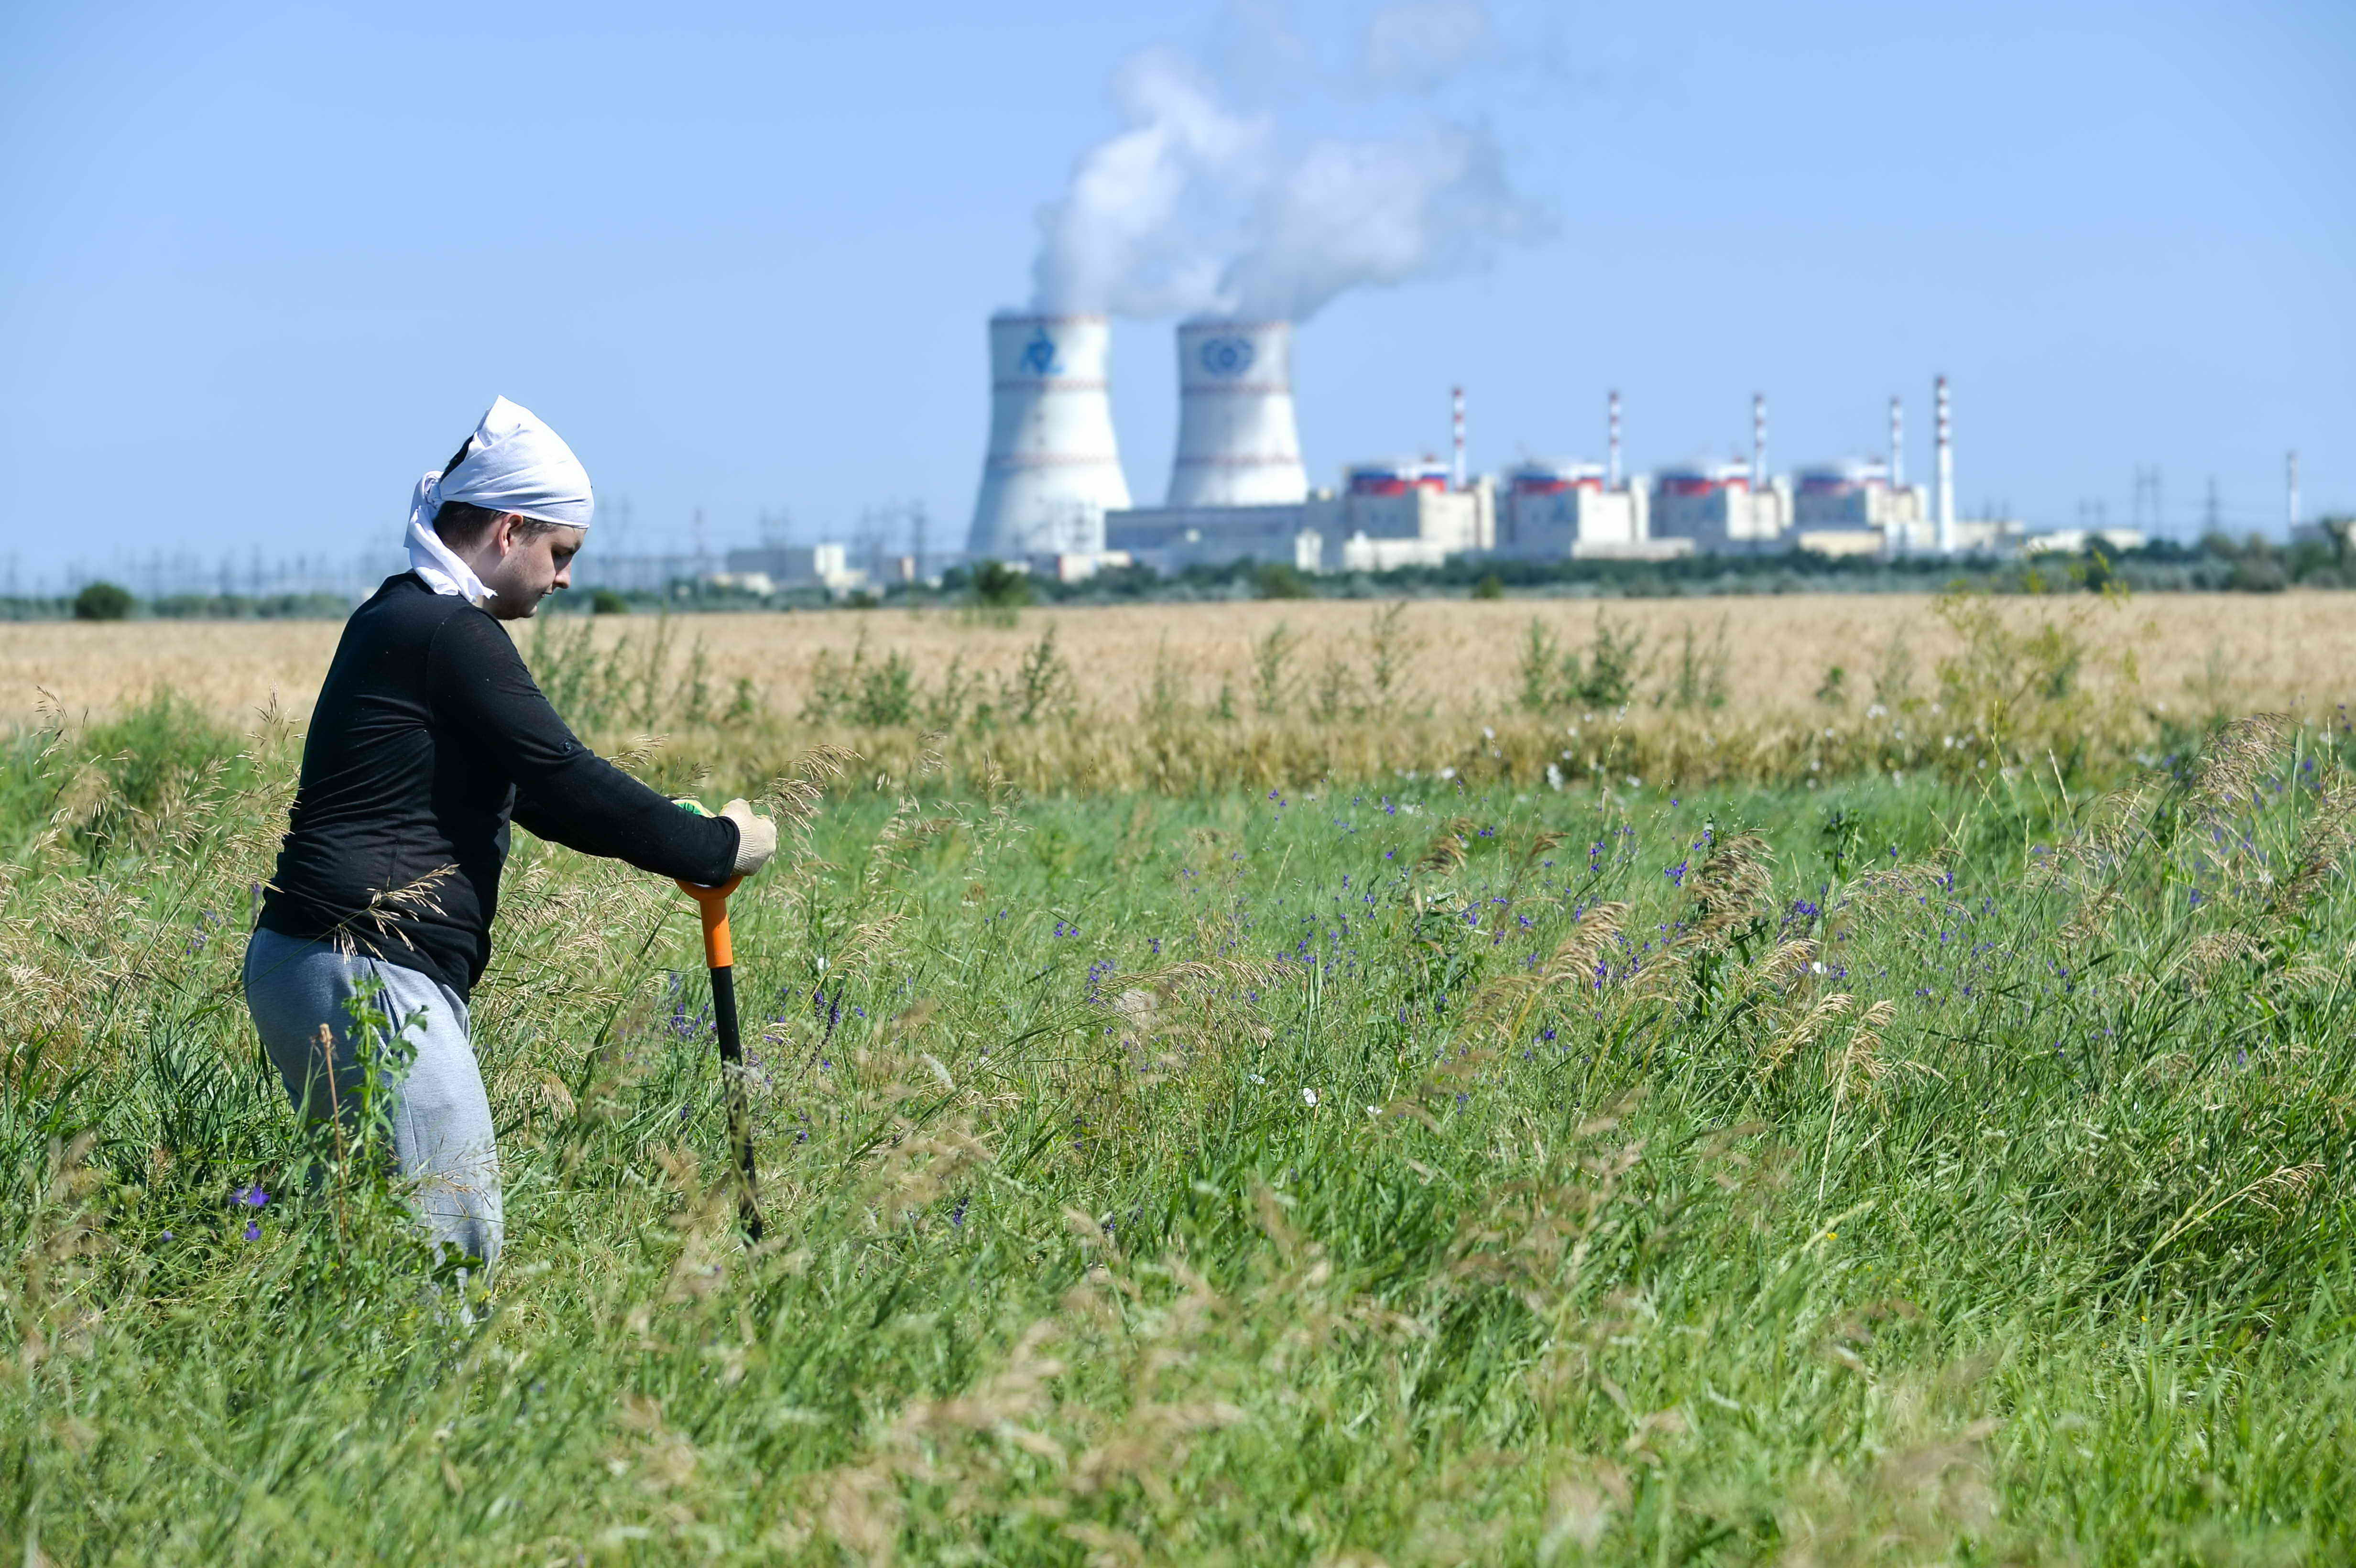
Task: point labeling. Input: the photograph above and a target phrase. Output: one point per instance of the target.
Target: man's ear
(503, 532)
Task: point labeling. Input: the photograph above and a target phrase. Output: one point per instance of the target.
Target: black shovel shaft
(731, 1081)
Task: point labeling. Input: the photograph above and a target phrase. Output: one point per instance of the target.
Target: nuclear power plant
(1054, 498)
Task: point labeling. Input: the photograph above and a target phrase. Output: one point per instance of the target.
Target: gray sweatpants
(441, 1120)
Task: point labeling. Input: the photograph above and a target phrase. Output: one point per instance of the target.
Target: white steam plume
(1198, 207)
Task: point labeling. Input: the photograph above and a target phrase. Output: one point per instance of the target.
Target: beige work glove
(756, 837)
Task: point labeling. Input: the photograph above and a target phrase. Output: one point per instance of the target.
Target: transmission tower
(2147, 497)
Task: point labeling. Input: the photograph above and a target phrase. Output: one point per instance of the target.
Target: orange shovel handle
(713, 902)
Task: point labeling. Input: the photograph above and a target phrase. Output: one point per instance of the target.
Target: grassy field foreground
(1952, 1172)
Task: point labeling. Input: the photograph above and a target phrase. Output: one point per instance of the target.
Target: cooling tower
(1237, 443)
(1054, 466)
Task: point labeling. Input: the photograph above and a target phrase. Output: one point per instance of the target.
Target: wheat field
(2294, 652)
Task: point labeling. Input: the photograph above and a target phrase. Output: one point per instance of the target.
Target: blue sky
(261, 265)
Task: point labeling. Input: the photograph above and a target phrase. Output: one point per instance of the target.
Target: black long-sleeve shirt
(428, 736)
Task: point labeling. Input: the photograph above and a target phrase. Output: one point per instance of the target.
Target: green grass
(2047, 1260)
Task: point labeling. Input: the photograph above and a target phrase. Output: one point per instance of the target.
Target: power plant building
(1413, 514)
(1850, 508)
(1172, 539)
(1554, 510)
(772, 567)
(1715, 506)
(1389, 515)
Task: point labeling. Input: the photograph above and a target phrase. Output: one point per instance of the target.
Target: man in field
(428, 738)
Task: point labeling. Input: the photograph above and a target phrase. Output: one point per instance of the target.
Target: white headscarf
(513, 463)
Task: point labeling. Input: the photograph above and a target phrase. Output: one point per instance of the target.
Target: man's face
(525, 569)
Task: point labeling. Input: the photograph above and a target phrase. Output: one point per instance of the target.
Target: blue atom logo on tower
(1226, 356)
(1039, 354)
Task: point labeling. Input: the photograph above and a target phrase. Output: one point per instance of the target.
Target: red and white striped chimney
(1456, 430)
(1758, 443)
(1946, 472)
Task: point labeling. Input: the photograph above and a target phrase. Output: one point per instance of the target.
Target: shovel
(721, 959)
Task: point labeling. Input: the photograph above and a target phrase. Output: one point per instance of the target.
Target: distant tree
(1491, 586)
(1281, 580)
(1000, 586)
(2341, 532)
(101, 601)
(2259, 574)
(2094, 570)
(605, 601)
(2314, 562)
